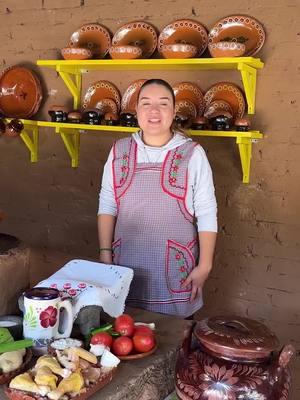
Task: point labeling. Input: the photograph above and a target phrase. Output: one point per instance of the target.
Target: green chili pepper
(113, 333)
(103, 328)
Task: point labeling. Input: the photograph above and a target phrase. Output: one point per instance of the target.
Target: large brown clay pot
(232, 358)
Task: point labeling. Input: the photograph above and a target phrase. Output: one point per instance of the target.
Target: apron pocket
(179, 263)
(116, 248)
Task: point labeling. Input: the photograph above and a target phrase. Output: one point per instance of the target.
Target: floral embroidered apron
(154, 233)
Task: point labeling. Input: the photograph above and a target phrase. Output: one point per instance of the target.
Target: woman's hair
(167, 86)
(160, 82)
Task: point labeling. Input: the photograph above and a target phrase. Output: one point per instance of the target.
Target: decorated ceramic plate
(107, 106)
(94, 37)
(137, 356)
(217, 105)
(184, 31)
(140, 34)
(20, 92)
(98, 91)
(241, 29)
(186, 108)
(190, 91)
(130, 96)
(229, 93)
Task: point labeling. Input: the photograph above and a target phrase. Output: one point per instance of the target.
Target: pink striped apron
(154, 233)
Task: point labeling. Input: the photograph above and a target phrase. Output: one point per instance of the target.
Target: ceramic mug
(42, 316)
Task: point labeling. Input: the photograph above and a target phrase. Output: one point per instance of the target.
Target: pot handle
(285, 355)
(187, 337)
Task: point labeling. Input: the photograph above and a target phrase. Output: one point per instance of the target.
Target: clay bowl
(217, 105)
(242, 124)
(74, 117)
(76, 53)
(227, 49)
(178, 50)
(125, 52)
(110, 119)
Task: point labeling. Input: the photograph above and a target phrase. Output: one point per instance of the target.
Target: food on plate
(102, 338)
(143, 343)
(62, 344)
(11, 361)
(124, 324)
(122, 346)
(45, 377)
(73, 384)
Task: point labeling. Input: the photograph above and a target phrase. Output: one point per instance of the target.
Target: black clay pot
(91, 117)
(58, 115)
(128, 119)
(220, 123)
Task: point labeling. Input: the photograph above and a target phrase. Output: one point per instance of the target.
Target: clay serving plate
(217, 105)
(178, 50)
(230, 93)
(130, 96)
(190, 91)
(76, 53)
(94, 37)
(107, 106)
(20, 92)
(226, 49)
(241, 29)
(185, 107)
(138, 356)
(184, 31)
(101, 90)
(125, 52)
(7, 377)
(138, 33)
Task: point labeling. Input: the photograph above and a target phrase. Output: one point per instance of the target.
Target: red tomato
(143, 330)
(122, 346)
(124, 324)
(143, 343)
(102, 338)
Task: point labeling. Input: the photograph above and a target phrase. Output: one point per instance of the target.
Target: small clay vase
(183, 121)
(74, 117)
(128, 119)
(199, 123)
(14, 128)
(91, 117)
(58, 113)
(221, 122)
(2, 127)
(242, 124)
(110, 119)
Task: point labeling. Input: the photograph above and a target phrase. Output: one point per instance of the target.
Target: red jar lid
(236, 338)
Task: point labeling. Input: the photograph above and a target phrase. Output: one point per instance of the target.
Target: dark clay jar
(232, 358)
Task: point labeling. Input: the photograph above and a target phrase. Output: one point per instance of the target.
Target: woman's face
(155, 110)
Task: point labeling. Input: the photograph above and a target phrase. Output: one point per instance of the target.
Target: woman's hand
(196, 278)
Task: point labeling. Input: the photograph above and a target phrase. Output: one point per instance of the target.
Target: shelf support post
(73, 83)
(249, 81)
(245, 150)
(31, 142)
(71, 139)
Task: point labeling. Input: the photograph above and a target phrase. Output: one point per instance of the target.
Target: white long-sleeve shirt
(200, 198)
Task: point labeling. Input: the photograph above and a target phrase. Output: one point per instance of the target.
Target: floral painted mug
(43, 318)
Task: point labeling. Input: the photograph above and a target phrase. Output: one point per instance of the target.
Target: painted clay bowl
(185, 107)
(178, 50)
(94, 37)
(107, 105)
(239, 28)
(76, 53)
(125, 52)
(226, 49)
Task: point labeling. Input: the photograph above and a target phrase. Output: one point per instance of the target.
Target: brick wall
(52, 206)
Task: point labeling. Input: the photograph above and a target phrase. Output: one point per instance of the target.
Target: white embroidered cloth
(88, 283)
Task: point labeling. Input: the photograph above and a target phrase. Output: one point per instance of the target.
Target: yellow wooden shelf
(71, 70)
(70, 134)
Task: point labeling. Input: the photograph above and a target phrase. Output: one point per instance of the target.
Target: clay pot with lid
(232, 358)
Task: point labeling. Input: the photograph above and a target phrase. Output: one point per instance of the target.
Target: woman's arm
(107, 212)
(106, 227)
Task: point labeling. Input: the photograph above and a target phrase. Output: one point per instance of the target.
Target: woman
(157, 208)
